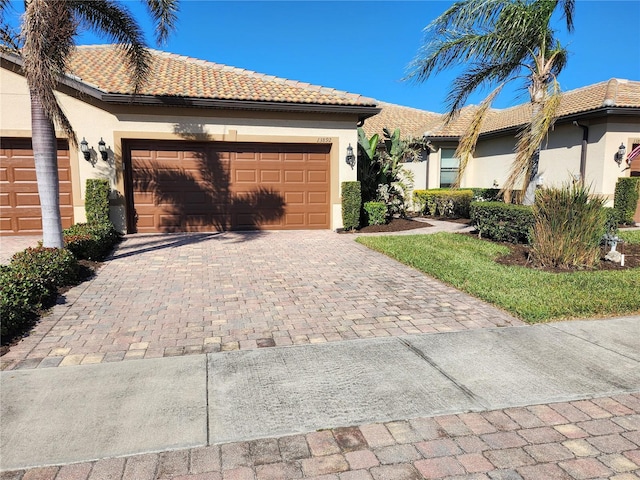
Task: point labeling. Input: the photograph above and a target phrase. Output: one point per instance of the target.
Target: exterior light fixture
(102, 148)
(351, 158)
(84, 148)
(620, 154)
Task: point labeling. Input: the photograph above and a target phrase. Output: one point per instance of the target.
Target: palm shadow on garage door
(178, 186)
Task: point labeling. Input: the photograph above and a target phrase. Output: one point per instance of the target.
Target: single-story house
(203, 146)
(200, 147)
(594, 137)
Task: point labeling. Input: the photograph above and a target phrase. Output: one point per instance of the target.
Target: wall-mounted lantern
(84, 148)
(102, 148)
(351, 158)
(620, 154)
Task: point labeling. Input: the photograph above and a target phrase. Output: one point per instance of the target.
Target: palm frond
(164, 13)
(531, 137)
(477, 76)
(117, 23)
(468, 142)
(568, 7)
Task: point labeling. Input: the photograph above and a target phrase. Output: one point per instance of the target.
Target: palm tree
(498, 41)
(45, 43)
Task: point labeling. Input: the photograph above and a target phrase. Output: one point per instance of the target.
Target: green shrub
(91, 241)
(625, 199)
(492, 195)
(55, 266)
(487, 195)
(502, 222)
(568, 227)
(611, 221)
(96, 202)
(376, 213)
(29, 283)
(351, 205)
(443, 202)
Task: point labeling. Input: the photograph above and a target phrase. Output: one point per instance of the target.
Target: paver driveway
(175, 294)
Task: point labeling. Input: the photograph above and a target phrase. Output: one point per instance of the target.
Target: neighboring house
(593, 122)
(200, 147)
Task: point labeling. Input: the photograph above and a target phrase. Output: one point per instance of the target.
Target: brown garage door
(19, 201)
(187, 186)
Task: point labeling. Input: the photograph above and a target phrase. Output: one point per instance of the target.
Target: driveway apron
(176, 294)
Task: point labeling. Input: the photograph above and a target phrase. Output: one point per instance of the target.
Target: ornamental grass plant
(568, 227)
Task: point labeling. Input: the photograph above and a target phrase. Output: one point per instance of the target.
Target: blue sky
(365, 46)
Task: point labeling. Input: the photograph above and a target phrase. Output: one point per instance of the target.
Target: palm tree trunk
(530, 191)
(46, 160)
(537, 93)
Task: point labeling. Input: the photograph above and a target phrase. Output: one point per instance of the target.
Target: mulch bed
(520, 255)
(395, 225)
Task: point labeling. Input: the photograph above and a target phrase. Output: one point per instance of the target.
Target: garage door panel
(29, 224)
(245, 176)
(24, 174)
(209, 186)
(270, 176)
(294, 176)
(316, 176)
(294, 198)
(318, 198)
(21, 204)
(294, 157)
(26, 199)
(318, 219)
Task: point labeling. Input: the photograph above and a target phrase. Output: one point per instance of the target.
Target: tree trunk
(530, 192)
(537, 93)
(46, 159)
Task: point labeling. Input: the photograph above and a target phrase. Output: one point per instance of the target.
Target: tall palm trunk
(538, 93)
(46, 160)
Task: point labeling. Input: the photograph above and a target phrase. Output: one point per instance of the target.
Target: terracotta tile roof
(173, 75)
(612, 93)
(412, 122)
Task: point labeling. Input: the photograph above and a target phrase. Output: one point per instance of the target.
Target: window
(449, 166)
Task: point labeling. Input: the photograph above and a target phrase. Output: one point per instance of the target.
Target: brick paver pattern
(587, 439)
(178, 294)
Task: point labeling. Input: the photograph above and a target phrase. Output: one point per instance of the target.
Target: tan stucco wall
(93, 120)
(560, 155)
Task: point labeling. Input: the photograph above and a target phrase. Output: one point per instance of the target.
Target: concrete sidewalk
(90, 412)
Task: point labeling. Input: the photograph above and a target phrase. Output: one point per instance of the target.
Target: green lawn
(468, 264)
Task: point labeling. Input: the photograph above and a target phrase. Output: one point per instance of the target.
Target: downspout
(583, 151)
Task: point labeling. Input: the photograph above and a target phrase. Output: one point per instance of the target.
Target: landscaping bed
(474, 266)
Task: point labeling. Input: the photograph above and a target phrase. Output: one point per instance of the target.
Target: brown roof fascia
(363, 112)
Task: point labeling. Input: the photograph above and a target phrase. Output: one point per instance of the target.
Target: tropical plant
(499, 41)
(380, 168)
(569, 224)
(45, 43)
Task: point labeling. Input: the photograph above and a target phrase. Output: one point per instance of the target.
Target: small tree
(380, 168)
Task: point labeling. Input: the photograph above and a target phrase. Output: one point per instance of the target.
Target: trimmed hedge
(625, 199)
(91, 241)
(96, 202)
(444, 202)
(29, 283)
(502, 222)
(376, 213)
(351, 205)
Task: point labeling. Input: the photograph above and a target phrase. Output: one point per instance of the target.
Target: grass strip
(468, 264)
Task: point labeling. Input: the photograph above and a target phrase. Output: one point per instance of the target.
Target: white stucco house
(585, 143)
